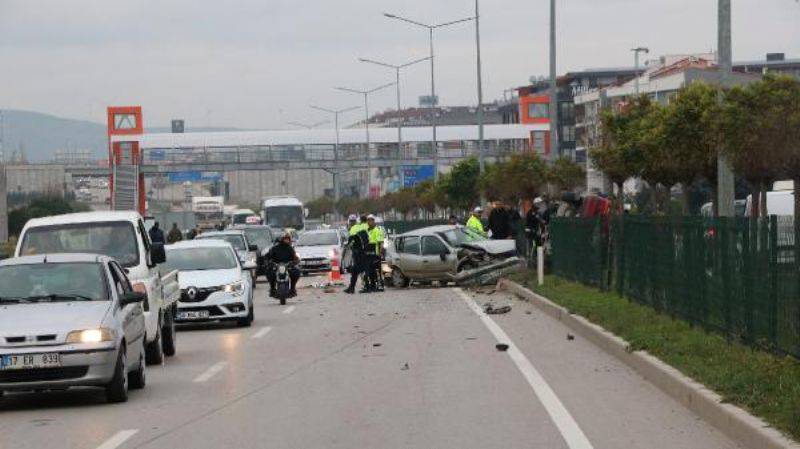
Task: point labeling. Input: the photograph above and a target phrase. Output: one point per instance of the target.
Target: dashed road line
(263, 331)
(118, 439)
(288, 310)
(211, 372)
(567, 426)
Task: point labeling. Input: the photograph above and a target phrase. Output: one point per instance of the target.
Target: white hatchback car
(214, 285)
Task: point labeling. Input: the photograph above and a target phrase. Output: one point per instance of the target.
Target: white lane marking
(264, 331)
(118, 439)
(288, 310)
(567, 426)
(211, 372)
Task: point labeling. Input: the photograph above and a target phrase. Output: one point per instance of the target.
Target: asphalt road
(404, 369)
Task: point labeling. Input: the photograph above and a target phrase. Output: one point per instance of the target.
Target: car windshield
(193, 259)
(113, 239)
(235, 240)
(460, 236)
(318, 239)
(284, 217)
(50, 282)
(260, 237)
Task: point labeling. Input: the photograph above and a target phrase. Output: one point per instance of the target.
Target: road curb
(736, 423)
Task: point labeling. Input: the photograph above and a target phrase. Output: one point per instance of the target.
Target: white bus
(283, 212)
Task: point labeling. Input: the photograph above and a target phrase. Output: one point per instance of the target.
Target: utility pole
(3, 183)
(336, 173)
(554, 144)
(725, 176)
(481, 149)
(366, 93)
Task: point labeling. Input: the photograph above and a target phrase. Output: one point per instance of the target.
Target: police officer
(358, 243)
(376, 238)
(474, 221)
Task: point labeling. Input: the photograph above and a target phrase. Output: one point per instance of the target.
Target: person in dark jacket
(156, 234)
(359, 244)
(500, 222)
(282, 252)
(174, 235)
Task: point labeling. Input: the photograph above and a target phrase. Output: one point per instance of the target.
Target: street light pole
(397, 69)
(366, 94)
(554, 144)
(336, 113)
(636, 52)
(434, 102)
(725, 177)
(481, 149)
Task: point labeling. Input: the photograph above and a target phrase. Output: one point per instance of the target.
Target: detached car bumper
(79, 367)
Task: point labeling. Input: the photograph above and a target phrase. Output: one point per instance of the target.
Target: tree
(566, 174)
(760, 125)
(460, 186)
(620, 156)
(320, 207)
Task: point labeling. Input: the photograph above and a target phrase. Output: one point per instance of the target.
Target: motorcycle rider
(282, 252)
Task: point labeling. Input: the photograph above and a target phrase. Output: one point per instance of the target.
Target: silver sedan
(70, 320)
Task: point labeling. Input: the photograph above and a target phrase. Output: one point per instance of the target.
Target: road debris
(570, 337)
(502, 347)
(377, 345)
(405, 367)
(489, 309)
(488, 274)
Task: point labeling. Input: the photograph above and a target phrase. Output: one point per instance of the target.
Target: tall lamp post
(397, 69)
(636, 52)
(366, 94)
(554, 131)
(336, 113)
(433, 103)
(725, 178)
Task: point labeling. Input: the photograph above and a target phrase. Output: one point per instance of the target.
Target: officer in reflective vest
(475, 223)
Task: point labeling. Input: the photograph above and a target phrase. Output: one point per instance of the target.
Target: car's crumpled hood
(493, 247)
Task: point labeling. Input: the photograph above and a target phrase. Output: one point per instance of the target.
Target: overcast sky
(260, 63)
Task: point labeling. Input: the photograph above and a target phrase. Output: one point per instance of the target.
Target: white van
(122, 236)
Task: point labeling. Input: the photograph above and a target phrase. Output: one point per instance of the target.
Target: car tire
(398, 279)
(117, 389)
(154, 351)
(169, 335)
(246, 322)
(137, 379)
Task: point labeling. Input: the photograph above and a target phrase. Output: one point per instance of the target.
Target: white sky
(260, 63)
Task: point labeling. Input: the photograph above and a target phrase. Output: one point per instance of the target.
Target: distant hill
(40, 135)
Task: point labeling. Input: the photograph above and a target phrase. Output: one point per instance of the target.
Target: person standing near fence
(500, 222)
(174, 235)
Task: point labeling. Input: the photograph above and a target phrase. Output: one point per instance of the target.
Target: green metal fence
(739, 277)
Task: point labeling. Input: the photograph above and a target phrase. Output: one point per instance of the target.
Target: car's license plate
(27, 361)
(193, 315)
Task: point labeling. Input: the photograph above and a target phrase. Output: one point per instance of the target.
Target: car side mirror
(132, 298)
(252, 248)
(157, 253)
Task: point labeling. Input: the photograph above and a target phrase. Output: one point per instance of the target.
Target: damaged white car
(445, 254)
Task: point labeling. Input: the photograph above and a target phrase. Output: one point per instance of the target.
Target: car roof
(212, 234)
(84, 217)
(199, 243)
(242, 227)
(321, 231)
(429, 230)
(56, 258)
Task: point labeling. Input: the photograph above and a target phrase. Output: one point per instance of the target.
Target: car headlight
(91, 335)
(237, 288)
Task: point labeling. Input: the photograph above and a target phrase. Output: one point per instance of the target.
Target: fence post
(540, 264)
(773, 279)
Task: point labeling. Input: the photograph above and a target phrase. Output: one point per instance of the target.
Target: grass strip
(765, 384)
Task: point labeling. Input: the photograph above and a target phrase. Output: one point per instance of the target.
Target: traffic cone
(335, 274)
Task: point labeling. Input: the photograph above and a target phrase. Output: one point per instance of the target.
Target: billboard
(195, 176)
(415, 174)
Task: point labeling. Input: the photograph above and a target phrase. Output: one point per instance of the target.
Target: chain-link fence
(740, 277)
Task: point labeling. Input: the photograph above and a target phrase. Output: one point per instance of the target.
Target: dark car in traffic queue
(263, 237)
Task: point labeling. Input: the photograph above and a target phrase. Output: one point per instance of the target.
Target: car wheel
(137, 379)
(154, 352)
(246, 322)
(117, 389)
(398, 279)
(169, 335)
